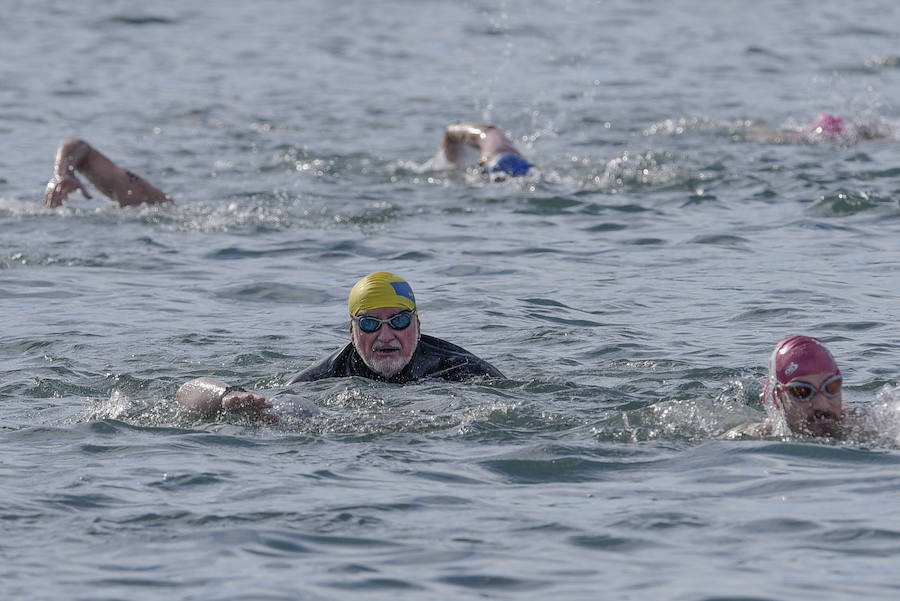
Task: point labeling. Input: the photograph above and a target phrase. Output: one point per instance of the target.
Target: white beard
(387, 366)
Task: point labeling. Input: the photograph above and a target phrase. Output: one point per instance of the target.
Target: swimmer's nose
(385, 332)
(820, 402)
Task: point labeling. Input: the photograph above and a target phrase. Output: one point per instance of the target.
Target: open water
(680, 225)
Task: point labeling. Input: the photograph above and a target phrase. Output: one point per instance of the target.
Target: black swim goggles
(801, 392)
(369, 324)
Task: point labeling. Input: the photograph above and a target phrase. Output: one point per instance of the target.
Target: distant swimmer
(385, 345)
(835, 129)
(827, 128)
(499, 158)
(803, 393)
(119, 184)
(828, 125)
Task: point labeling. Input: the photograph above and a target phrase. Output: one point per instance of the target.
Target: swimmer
(828, 125)
(117, 183)
(826, 128)
(385, 345)
(831, 127)
(803, 392)
(499, 157)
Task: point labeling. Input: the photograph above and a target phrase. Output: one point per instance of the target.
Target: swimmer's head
(508, 163)
(379, 290)
(384, 326)
(795, 357)
(828, 124)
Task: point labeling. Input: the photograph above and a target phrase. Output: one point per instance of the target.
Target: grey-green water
(632, 292)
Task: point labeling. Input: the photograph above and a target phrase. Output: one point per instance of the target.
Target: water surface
(680, 225)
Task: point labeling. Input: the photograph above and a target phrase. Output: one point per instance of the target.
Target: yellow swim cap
(378, 290)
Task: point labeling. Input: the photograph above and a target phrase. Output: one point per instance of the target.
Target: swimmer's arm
(208, 396)
(117, 183)
(760, 429)
(457, 134)
(757, 430)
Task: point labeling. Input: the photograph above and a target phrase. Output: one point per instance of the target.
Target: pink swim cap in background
(794, 357)
(828, 124)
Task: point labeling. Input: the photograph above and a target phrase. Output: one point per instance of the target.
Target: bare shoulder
(755, 430)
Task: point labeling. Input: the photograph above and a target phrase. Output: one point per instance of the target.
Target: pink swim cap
(828, 124)
(794, 357)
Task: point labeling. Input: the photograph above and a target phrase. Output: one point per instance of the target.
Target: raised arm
(117, 183)
(208, 396)
(489, 140)
(457, 134)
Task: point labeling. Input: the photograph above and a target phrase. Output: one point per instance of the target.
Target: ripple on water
(848, 202)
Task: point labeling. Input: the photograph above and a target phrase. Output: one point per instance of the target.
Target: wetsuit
(433, 358)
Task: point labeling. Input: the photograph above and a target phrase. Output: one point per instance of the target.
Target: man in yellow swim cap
(386, 343)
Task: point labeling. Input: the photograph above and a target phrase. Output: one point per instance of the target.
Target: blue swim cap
(509, 162)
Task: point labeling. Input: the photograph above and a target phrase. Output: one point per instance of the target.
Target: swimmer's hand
(59, 187)
(249, 404)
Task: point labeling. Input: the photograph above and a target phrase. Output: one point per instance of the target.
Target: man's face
(385, 351)
(819, 415)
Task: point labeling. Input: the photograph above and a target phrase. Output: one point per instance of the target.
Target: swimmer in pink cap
(804, 386)
(827, 128)
(803, 395)
(828, 125)
(831, 128)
